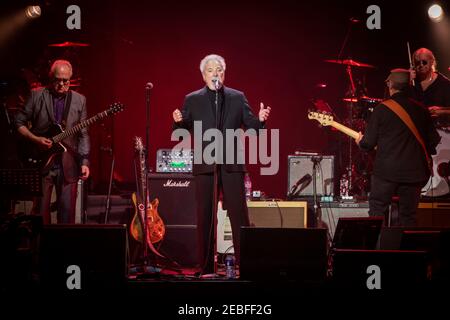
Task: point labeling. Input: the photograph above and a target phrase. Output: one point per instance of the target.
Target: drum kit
(357, 173)
(360, 106)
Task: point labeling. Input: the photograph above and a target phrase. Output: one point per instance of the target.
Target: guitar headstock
(116, 107)
(325, 119)
(138, 145)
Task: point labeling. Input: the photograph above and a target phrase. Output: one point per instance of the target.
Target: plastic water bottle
(344, 186)
(230, 266)
(248, 187)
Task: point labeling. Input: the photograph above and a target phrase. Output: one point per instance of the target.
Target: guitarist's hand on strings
(44, 142)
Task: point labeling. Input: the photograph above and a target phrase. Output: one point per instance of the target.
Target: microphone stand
(216, 180)
(148, 87)
(316, 161)
(108, 197)
(111, 174)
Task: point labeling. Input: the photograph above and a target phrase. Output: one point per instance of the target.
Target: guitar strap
(404, 116)
(66, 108)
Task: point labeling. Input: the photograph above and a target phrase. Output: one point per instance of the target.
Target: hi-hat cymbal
(69, 44)
(350, 62)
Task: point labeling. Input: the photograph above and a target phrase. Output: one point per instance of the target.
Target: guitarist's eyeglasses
(59, 80)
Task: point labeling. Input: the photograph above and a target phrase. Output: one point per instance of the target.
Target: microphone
(307, 178)
(149, 86)
(216, 82)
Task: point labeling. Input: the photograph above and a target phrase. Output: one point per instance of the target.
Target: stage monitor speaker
(398, 270)
(278, 214)
(178, 210)
(300, 170)
(283, 254)
(357, 233)
(331, 212)
(100, 252)
(433, 214)
(434, 240)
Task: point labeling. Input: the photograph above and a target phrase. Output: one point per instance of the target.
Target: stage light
(33, 12)
(435, 12)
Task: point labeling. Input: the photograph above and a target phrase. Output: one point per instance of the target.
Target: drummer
(432, 87)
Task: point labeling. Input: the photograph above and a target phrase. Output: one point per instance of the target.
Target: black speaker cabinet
(99, 251)
(433, 214)
(177, 208)
(278, 214)
(300, 171)
(283, 254)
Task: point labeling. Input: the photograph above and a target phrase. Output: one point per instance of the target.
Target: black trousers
(381, 193)
(66, 196)
(232, 186)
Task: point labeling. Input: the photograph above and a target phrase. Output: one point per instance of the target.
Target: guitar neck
(344, 129)
(79, 127)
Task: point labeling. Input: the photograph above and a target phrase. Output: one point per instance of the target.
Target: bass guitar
(36, 157)
(326, 119)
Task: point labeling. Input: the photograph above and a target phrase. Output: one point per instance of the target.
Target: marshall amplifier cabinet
(177, 208)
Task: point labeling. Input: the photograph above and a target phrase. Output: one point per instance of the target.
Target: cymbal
(69, 44)
(351, 62)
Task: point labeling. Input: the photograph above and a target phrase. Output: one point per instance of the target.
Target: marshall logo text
(181, 184)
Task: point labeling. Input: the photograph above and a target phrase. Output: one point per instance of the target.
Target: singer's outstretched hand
(177, 116)
(263, 112)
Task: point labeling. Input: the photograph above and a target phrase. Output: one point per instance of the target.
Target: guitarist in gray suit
(47, 107)
(233, 113)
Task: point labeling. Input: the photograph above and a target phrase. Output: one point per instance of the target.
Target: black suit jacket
(400, 157)
(236, 114)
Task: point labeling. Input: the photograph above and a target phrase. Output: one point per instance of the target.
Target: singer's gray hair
(428, 53)
(57, 64)
(210, 57)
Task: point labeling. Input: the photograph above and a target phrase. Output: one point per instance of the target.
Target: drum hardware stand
(350, 145)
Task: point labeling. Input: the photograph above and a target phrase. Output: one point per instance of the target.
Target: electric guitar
(326, 119)
(37, 157)
(146, 220)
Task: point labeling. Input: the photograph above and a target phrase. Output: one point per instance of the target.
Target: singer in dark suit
(47, 106)
(233, 113)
